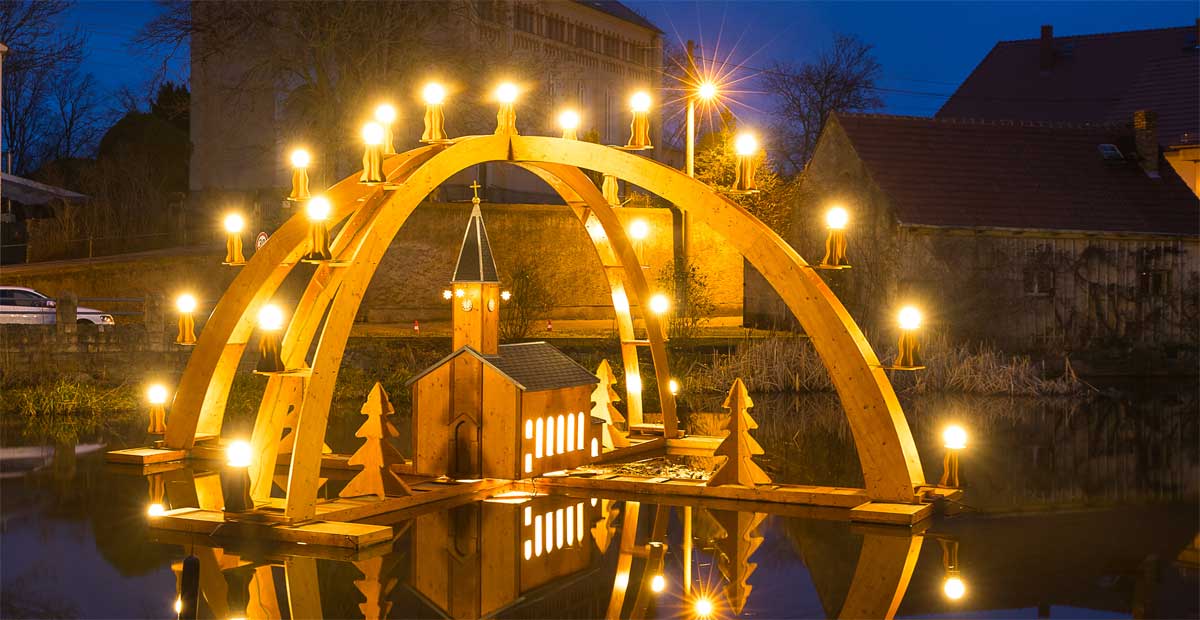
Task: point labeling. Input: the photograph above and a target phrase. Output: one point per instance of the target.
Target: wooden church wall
(544, 447)
(431, 411)
(501, 412)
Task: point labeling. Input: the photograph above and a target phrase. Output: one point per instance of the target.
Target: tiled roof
(1094, 78)
(539, 366)
(1019, 175)
(475, 262)
(620, 11)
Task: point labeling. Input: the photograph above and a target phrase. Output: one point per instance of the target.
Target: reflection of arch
(891, 467)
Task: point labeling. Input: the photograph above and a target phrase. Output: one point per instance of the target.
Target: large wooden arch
(326, 311)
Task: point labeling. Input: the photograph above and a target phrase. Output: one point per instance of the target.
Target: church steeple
(476, 288)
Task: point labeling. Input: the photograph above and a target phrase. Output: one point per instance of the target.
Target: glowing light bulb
(459, 292)
(673, 386)
(155, 510)
(639, 229)
(372, 133)
(447, 295)
(706, 90)
(568, 120)
(506, 92)
(658, 583)
(910, 318)
(954, 588)
(270, 318)
(433, 93)
(703, 607)
(385, 114)
(955, 437)
(234, 223)
(157, 394)
(239, 454)
(178, 605)
(505, 295)
(300, 158)
(185, 303)
(659, 303)
(318, 209)
(836, 218)
(640, 101)
(745, 144)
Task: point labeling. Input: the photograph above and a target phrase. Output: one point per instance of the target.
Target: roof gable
(1031, 176)
(530, 366)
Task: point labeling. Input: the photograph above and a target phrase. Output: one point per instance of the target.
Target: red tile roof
(1094, 78)
(1019, 175)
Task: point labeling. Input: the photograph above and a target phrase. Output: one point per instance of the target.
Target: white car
(29, 307)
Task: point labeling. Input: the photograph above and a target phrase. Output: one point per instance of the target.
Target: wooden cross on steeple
(475, 187)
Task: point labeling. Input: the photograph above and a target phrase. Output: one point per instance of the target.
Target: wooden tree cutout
(606, 525)
(376, 585)
(289, 426)
(738, 446)
(376, 454)
(602, 407)
(740, 542)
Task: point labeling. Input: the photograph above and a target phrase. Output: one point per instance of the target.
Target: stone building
(1027, 234)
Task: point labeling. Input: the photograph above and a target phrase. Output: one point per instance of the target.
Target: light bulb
(372, 133)
(955, 437)
(658, 583)
(506, 92)
(505, 295)
(446, 294)
(703, 607)
(910, 318)
(318, 209)
(954, 588)
(673, 386)
(239, 454)
(659, 303)
(640, 101)
(157, 394)
(639, 229)
(745, 144)
(155, 510)
(568, 120)
(385, 114)
(270, 318)
(234, 223)
(706, 90)
(300, 158)
(836, 218)
(186, 303)
(434, 93)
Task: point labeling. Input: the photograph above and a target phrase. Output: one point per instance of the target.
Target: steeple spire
(475, 262)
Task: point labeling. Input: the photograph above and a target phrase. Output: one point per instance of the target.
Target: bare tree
(841, 78)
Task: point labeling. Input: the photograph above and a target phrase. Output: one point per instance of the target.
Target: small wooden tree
(602, 407)
(740, 542)
(739, 447)
(376, 454)
(606, 525)
(376, 585)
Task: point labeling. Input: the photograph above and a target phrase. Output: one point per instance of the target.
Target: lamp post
(157, 396)
(434, 95)
(300, 160)
(385, 115)
(639, 129)
(835, 243)
(568, 120)
(234, 224)
(270, 324)
(506, 116)
(235, 477)
(909, 357)
(955, 440)
(318, 210)
(186, 304)
(746, 147)
(373, 136)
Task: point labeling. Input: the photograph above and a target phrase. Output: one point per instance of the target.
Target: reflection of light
(673, 386)
(155, 510)
(622, 580)
(620, 301)
(238, 454)
(639, 229)
(178, 605)
(955, 437)
(703, 607)
(633, 383)
(954, 588)
(658, 583)
(910, 318)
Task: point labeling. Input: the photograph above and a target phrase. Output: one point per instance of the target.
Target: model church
(489, 410)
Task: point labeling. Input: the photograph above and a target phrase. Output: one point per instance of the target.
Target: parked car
(29, 307)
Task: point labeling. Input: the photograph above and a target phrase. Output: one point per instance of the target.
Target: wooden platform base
(834, 497)
(144, 456)
(323, 533)
(891, 514)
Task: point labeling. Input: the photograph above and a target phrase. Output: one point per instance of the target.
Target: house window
(1039, 282)
(523, 19)
(555, 29)
(1154, 283)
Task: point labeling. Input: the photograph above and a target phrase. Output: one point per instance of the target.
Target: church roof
(475, 262)
(531, 366)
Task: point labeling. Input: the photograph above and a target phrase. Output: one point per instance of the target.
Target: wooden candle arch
(890, 464)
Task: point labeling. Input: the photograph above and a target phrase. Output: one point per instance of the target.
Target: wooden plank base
(322, 533)
(891, 514)
(144, 456)
(693, 445)
(836, 497)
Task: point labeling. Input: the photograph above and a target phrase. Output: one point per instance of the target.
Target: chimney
(1145, 137)
(1047, 48)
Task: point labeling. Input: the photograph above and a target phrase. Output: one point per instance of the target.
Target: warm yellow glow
(836, 218)
(745, 144)
(157, 394)
(706, 90)
(300, 158)
(447, 295)
(234, 223)
(505, 295)
(659, 303)
(385, 114)
(434, 93)
(178, 605)
(954, 588)
(620, 301)
(673, 386)
(910, 318)
(458, 292)
(507, 92)
(658, 583)
(318, 209)
(238, 454)
(155, 510)
(639, 229)
(270, 318)
(640, 101)
(568, 120)
(703, 607)
(955, 437)
(372, 133)
(633, 383)
(185, 303)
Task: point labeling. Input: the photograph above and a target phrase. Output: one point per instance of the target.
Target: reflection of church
(488, 410)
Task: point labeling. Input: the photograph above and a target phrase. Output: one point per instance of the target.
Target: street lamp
(157, 396)
(506, 117)
(909, 357)
(836, 219)
(373, 136)
(300, 161)
(954, 438)
(318, 211)
(234, 224)
(270, 324)
(639, 129)
(434, 95)
(186, 304)
(746, 147)
(385, 115)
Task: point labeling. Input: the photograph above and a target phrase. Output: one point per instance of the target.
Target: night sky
(926, 48)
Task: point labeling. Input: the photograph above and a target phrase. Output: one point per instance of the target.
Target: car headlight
(106, 319)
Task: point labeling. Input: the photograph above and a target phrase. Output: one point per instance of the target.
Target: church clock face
(491, 305)
(467, 305)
